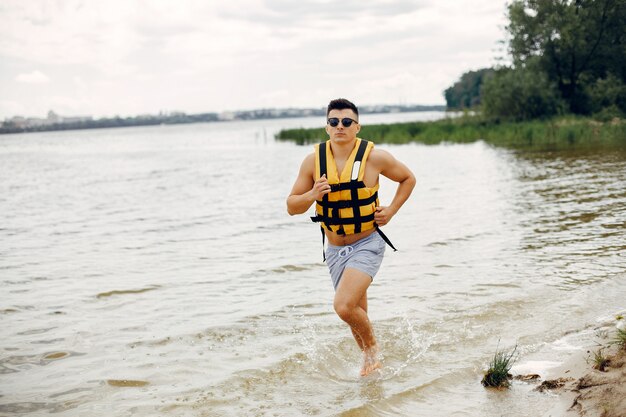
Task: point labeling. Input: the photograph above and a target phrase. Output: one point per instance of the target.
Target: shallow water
(154, 271)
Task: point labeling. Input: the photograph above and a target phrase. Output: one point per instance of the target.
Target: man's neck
(342, 150)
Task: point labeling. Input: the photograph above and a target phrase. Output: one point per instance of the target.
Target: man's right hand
(320, 188)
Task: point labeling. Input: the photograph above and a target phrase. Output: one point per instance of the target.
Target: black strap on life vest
(323, 239)
(341, 221)
(354, 192)
(347, 186)
(347, 204)
(323, 169)
(322, 160)
(385, 238)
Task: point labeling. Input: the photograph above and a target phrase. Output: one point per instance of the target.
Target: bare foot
(370, 360)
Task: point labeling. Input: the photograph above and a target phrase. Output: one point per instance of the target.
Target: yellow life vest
(350, 206)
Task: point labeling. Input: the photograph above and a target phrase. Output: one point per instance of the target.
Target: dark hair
(340, 104)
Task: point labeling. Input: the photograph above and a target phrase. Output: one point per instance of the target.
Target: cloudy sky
(102, 58)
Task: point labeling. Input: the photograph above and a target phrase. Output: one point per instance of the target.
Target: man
(341, 178)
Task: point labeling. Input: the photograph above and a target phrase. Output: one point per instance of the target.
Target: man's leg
(351, 308)
(363, 305)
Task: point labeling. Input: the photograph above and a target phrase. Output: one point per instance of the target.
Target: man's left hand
(383, 215)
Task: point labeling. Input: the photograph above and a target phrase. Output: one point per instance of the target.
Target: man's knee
(343, 309)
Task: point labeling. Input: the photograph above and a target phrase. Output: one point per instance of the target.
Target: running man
(341, 178)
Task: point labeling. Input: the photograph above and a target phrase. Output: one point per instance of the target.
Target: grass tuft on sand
(498, 375)
(620, 339)
(600, 362)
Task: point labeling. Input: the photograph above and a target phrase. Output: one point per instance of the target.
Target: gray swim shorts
(366, 255)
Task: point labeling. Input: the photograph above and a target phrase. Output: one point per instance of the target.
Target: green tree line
(567, 57)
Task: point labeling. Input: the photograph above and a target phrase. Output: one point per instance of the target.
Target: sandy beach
(595, 393)
(584, 390)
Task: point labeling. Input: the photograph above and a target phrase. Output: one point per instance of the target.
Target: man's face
(341, 134)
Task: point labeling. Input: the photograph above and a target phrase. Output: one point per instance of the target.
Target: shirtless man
(349, 214)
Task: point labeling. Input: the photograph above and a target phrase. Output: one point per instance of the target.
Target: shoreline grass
(620, 339)
(498, 373)
(552, 134)
(600, 362)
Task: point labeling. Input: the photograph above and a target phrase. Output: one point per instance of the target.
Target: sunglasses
(346, 121)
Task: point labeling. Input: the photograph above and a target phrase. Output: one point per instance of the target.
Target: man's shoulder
(379, 154)
(380, 159)
(309, 161)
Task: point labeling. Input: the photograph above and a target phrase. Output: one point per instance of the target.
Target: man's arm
(305, 190)
(398, 172)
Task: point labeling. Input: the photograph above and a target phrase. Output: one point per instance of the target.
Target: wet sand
(594, 393)
(603, 393)
(585, 391)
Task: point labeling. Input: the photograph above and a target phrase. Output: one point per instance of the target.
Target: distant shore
(55, 123)
(557, 133)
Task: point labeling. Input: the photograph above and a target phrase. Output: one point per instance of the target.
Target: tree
(607, 97)
(575, 42)
(520, 94)
(465, 93)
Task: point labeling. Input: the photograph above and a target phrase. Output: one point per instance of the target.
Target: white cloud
(34, 77)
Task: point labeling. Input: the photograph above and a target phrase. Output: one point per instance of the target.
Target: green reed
(554, 134)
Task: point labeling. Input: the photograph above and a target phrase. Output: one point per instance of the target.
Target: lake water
(154, 271)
